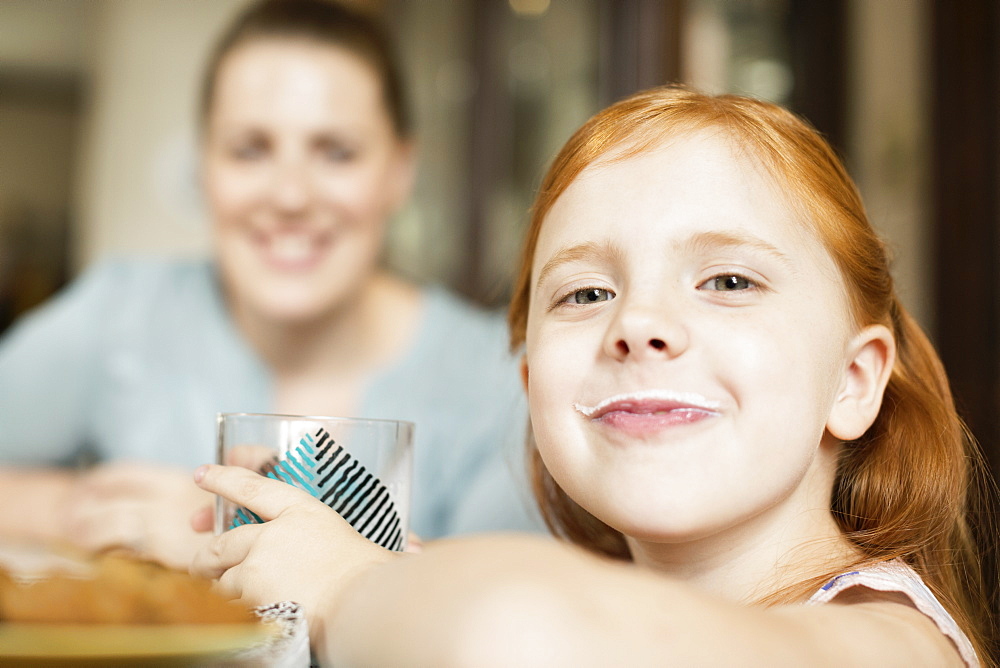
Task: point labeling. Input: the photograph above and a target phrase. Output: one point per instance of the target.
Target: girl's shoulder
(897, 577)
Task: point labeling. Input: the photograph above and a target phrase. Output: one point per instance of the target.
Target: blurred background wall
(97, 139)
(97, 134)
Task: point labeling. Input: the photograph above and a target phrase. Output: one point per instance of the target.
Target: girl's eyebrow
(701, 242)
(590, 250)
(704, 242)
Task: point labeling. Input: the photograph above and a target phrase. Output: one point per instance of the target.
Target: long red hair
(905, 489)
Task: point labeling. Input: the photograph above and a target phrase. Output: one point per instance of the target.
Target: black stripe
(326, 461)
(387, 531)
(349, 485)
(341, 483)
(371, 496)
(376, 512)
(320, 449)
(397, 539)
(381, 535)
(334, 490)
(339, 462)
(354, 493)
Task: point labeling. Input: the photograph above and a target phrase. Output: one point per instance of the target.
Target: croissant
(122, 590)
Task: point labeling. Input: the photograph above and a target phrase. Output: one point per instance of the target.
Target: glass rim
(313, 418)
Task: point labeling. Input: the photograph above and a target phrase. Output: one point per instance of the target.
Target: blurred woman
(306, 154)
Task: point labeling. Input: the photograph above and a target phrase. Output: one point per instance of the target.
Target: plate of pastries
(118, 609)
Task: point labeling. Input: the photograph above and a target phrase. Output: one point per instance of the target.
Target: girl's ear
(524, 373)
(872, 354)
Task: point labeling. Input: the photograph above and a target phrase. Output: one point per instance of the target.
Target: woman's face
(302, 169)
(688, 340)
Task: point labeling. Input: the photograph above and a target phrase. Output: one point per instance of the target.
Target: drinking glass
(359, 467)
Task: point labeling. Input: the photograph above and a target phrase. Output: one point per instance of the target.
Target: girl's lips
(650, 402)
(650, 411)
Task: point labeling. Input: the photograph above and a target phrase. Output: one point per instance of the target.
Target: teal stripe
(244, 516)
(289, 470)
(279, 470)
(298, 464)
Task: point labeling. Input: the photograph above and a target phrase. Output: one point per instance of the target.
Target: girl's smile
(649, 412)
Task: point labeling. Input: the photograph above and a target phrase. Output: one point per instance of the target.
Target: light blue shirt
(135, 359)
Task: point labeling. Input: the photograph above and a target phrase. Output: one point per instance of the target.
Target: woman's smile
(293, 251)
(303, 171)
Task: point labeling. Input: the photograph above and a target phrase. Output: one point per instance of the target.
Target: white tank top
(896, 576)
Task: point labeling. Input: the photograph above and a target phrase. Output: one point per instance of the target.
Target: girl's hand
(304, 552)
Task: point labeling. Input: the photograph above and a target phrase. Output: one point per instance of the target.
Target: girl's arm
(519, 600)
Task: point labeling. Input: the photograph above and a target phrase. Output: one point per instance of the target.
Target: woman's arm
(512, 599)
(140, 507)
(55, 365)
(32, 503)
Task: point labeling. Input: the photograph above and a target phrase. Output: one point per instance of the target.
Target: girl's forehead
(711, 154)
(698, 182)
(683, 203)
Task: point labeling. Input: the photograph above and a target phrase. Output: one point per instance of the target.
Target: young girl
(724, 391)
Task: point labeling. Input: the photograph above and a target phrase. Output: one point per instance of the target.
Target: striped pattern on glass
(327, 471)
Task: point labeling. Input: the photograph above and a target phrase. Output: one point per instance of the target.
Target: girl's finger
(266, 497)
(229, 584)
(225, 551)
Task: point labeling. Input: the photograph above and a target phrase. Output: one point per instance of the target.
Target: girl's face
(302, 169)
(687, 340)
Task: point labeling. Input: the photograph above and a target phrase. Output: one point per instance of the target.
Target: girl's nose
(646, 331)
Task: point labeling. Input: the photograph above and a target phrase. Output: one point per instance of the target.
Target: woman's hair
(905, 489)
(321, 22)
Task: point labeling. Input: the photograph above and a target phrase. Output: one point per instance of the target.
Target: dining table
(272, 636)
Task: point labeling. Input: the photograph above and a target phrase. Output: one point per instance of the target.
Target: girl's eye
(590, 296)
(728, 283)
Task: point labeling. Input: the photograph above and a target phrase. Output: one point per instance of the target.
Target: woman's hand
(303, 552)
(138, 507)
